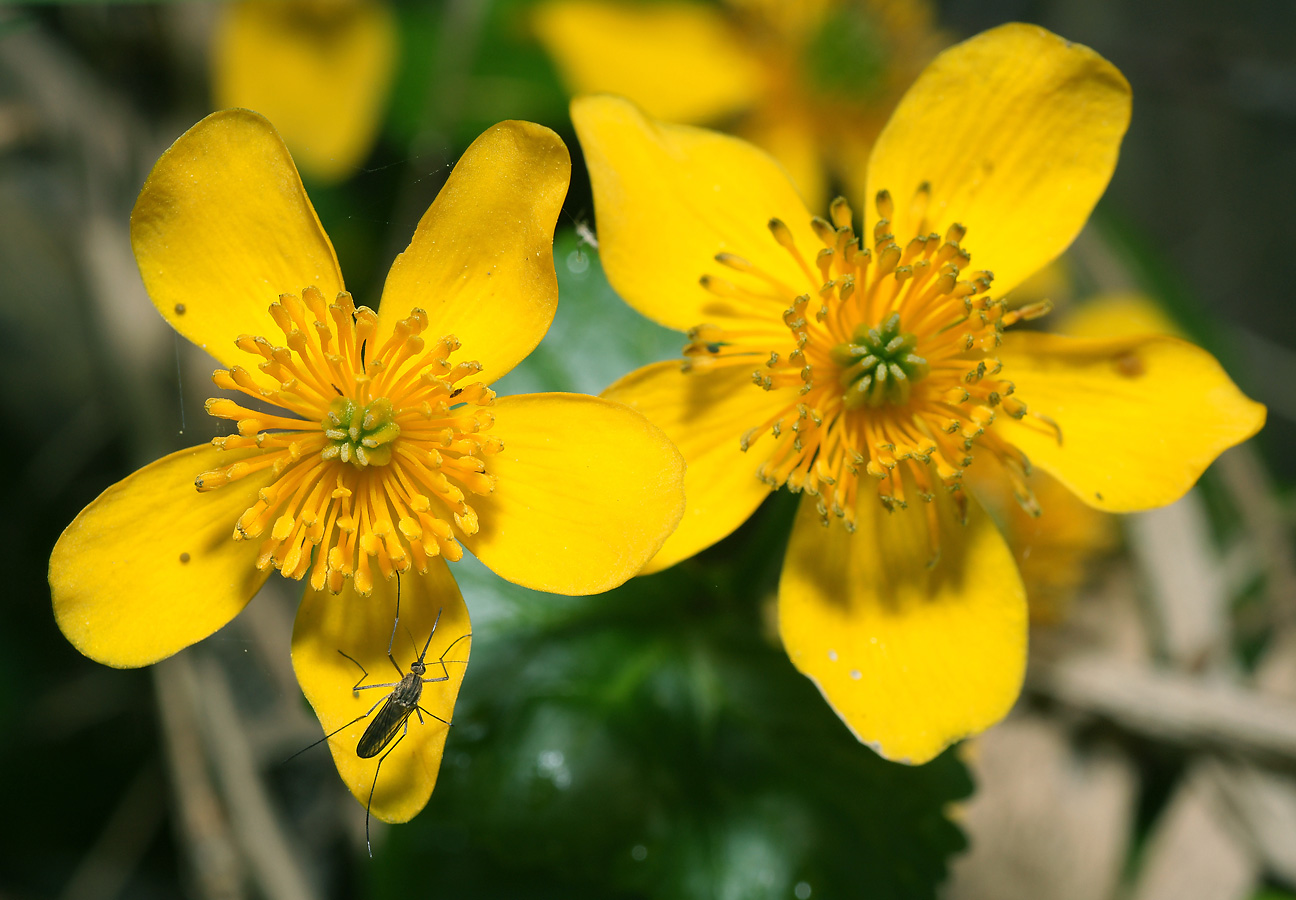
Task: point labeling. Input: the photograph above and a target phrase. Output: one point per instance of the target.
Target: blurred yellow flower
(366, 450)
(881, 372)
(810, 82)
(319, 69)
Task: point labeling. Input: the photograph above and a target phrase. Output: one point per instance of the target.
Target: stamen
(374, 454)
(886, 362)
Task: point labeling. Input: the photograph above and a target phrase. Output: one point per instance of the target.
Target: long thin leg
(369, 687)
(357, 687)
(365, 671)
(392, 639)
(377, 769)
(435, 716)
(337, 730)
(443, 659)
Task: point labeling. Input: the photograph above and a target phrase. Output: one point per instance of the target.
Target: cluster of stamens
(372, 451)
(890, 370)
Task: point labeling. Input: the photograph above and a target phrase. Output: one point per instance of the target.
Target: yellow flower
(319, 69)
(883, 371)
(365, 444)
(810, 82)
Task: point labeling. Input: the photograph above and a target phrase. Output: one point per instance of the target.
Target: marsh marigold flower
(361, 444)
(320, 70)
(870, 372)
(811, 82)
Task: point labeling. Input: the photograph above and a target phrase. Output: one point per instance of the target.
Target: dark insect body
(397, 707)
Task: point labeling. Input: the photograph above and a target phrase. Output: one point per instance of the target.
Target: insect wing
(383, 727)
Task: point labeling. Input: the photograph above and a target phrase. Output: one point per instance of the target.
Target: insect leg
(443, 659)
(336, 730)
(356, 686)
(434, 715)
(377, 769)
(392, 639)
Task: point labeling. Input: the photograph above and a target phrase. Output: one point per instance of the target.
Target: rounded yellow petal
(481, 260)
(1117, 315)
(681, 62)
(151, 566)
(705, 414)
(1017, 132)
(361, 627)
(912, 656)
(222, 227)
(319, 69)
(1140, 417)
(587, 491)
(668, 198)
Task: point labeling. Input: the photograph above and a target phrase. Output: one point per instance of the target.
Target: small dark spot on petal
(180, 309)
(1129, 365)
(184, 557)
(1098, 495)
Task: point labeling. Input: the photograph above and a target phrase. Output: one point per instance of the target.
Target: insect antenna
(435, 623)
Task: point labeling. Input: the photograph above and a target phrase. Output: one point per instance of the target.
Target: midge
(397, 706)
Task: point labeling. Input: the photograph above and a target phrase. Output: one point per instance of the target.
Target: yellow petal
(151, 566)
(587, 491)
(705, 414)
(911, 657)
(1017, 131)
(682, 62)
(1141, 417)
(481, 260)
(361, 627)
(319, 69)
(668, 198)
(222, 227)
(789, 138)
(1117, 315)
(1054, 549)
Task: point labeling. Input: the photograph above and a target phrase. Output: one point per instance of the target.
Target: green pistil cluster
(879, 366)
(359, 436)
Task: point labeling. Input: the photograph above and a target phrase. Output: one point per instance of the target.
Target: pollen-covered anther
(374, 443)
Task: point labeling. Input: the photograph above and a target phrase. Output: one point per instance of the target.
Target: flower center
(887, 366)
(879, 365)
(359, 435)
(372, 451)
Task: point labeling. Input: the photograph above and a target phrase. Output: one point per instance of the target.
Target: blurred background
(655, 741)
